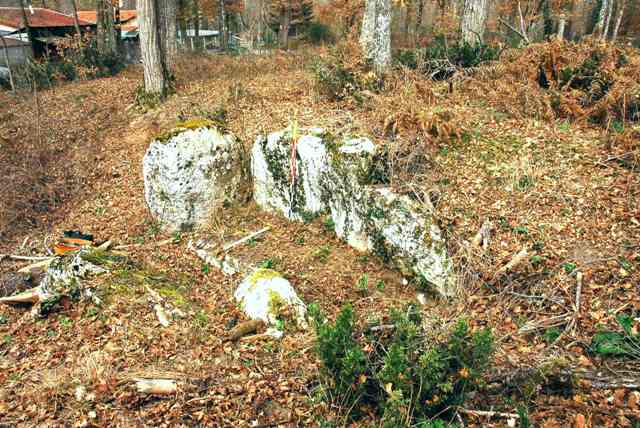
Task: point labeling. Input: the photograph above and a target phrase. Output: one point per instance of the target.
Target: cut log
(156, 386)
(162, 314)
(521, 256)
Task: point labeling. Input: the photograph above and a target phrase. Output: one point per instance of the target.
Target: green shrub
(439, 60)
(319, 33)
(341, 75)
(409, 375)
(344, 361)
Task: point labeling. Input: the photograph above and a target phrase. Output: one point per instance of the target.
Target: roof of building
(11, 42)
(37, 17)
(90, 15)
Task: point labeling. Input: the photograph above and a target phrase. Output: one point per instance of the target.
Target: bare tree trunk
(27, 27)
(6, 60)
(598, 29)
(474, 17)
(182, 21)
(222, 25)
(607, 21)
(106, 34)
(562, 23)
(76, 23)
(168, 27)
(375, 36)
(285, 24)
(196, 24)
(616, 28)
(418, 25)
(151, 48)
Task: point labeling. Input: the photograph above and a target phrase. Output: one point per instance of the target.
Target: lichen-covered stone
(285, 187)
(344, 184)
(337, 177)
(64, 278)
(404, 232)
(266, 295)
(190, 172)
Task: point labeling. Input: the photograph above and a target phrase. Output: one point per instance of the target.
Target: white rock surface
(265, 294)
(404, 231)
(271, 165)
(190, 174)
(336, 177)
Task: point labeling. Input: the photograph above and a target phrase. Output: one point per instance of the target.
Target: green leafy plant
(343, 360)
(322, 253)
(409, 373)
(363, 283)
(569, 267)
(329, 225)
(619, 343)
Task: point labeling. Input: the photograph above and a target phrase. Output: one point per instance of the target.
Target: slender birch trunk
(562, 24)
(616, 28)
(76, 23)
(222, 25)
(598, 29)
(375, 37)
(607, 21)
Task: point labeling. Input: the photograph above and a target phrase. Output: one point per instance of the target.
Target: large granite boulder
(340, 178)
(190, 172)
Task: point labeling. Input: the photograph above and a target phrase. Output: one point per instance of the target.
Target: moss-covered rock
(342, 177)
(266, 295)
(192, 171)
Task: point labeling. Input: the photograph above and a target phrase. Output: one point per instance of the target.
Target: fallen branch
(156, 386)
(30, 258)
(38, 265)
(483, 235)
(521, 256)
(488, 413)
(244, 328)
(231, 245)
(29, 296)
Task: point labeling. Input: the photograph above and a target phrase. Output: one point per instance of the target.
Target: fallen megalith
(192, 171)
(308, 173)
(64, 277)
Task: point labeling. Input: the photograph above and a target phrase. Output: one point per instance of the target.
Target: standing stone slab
(271, 165)
(191, 172)
(344, 184)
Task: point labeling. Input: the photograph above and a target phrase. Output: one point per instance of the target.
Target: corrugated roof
(12, 42)
(12, 17)
(90, 15)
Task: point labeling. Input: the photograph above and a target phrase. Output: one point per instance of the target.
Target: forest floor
(553, 185)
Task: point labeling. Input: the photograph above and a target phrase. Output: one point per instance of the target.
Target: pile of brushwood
(589, 81)
(401, 371)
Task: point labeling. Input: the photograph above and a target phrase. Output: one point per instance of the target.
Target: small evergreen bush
(342, 74)
(439, 60)
(318, 33)
(407, 375)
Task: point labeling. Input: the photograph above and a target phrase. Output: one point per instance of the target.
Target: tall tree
(598, 29)
(167, 21)
(474, 17)
(106, 33)
(156, 73)
(607, 21)
(616, 27)
(222, 25)
(375, 36)
(76, 23)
